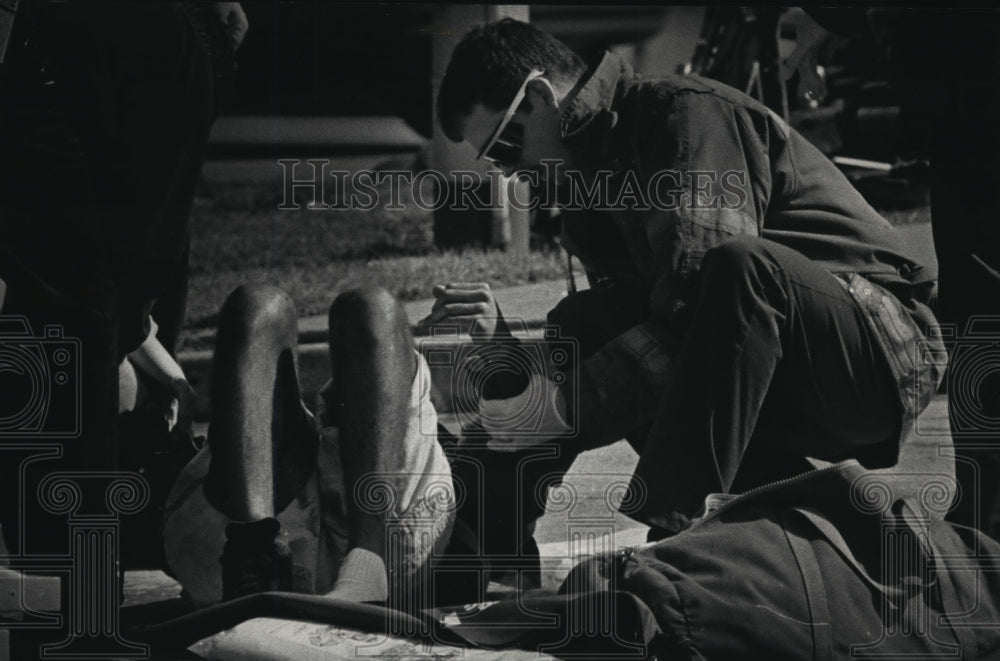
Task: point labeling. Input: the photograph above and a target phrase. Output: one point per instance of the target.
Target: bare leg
(263, 447)
(371, 352)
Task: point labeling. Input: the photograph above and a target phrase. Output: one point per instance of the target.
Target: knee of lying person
(369, 311)
(258, 305)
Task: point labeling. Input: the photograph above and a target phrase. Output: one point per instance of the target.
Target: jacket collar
(595, 96)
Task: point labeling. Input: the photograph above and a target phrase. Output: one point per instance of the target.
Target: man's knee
(738, 255)
(749, 263)
(369, 314)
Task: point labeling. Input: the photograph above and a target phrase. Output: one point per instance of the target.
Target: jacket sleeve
(705, 164)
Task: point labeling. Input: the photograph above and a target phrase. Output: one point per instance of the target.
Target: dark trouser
(945, 65)
(965, 215)
(779, 363)
(103, 122)
(77, 400)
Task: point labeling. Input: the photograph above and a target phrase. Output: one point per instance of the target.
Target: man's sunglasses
(505, 145)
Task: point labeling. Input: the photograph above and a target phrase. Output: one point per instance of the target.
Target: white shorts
(418, 498)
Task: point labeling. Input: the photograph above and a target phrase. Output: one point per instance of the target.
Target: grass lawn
(239, 236)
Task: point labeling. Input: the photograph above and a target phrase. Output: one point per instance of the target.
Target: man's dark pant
(778, 363)
(104, 115)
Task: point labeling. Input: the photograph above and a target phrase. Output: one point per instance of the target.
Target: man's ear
(540, 93)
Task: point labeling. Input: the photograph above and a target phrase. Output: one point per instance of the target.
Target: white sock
(362, 577)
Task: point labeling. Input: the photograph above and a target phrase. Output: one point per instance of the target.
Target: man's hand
(469, 304)
(535, 416)
(232, 16)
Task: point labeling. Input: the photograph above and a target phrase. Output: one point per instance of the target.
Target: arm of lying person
(155, 361)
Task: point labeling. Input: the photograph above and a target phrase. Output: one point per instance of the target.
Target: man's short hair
(489, 64)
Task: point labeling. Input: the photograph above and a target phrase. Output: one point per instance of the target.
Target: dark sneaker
(254, 559)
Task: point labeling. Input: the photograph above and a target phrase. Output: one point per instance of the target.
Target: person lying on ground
(354, 501)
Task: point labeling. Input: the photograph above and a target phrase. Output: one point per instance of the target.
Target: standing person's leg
(69, 399)
(953, 110)
(171, 306)
(50, 260)
(778, 352)
(965, 216)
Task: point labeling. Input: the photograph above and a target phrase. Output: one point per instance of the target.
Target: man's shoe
(254, 559)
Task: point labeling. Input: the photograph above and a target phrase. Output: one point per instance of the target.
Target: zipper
(766, 488)
(623, 555)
